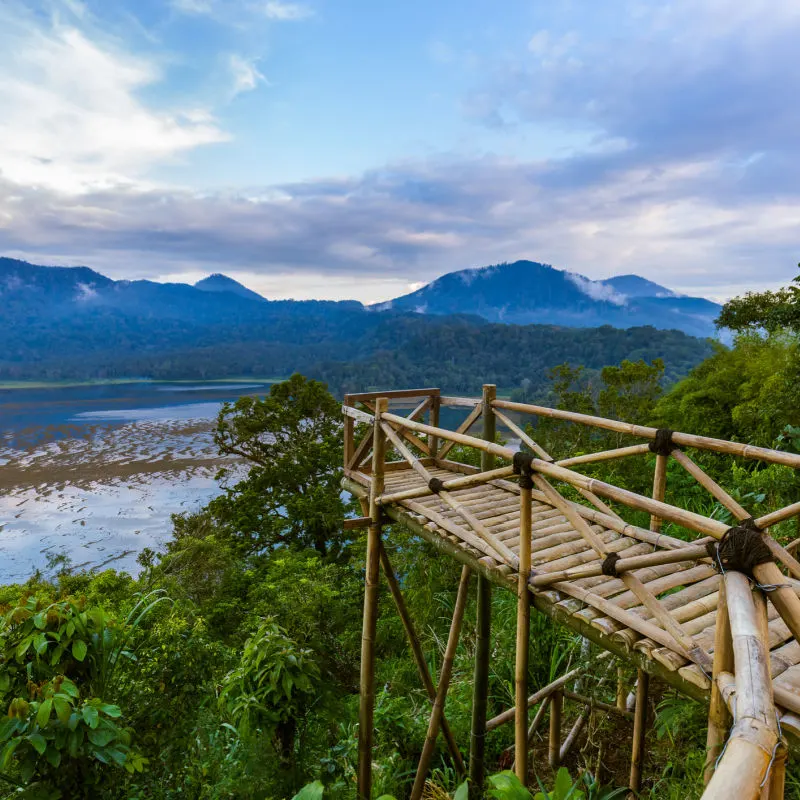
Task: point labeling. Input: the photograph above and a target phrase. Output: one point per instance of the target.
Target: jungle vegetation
(229, 667)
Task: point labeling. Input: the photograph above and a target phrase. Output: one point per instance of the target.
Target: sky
(357, 149)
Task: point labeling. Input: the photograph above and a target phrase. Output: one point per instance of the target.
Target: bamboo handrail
(471, 419)
(604, 455)
(645, 432)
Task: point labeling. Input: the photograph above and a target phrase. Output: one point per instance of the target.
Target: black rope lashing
(741, 548)
(610, 565)
(522, 466)
(436, 485)
(662, 445)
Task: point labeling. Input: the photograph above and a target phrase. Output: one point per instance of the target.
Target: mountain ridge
(529, 292)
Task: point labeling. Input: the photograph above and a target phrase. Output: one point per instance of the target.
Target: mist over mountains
(75, 323)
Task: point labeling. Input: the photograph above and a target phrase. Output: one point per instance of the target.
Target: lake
(94, 473)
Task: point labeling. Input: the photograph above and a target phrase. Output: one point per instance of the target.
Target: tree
(292, 440)
(770, 311)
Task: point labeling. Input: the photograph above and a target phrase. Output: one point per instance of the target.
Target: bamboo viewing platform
(717, 618)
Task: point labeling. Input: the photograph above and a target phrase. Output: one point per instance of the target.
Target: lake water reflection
(95, 472)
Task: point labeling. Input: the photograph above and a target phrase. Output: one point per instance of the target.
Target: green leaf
(110, 711)
(53, 756)
(79, 649)
(38, 741)
(313, 791)
(462, 793)
(63, 709)
(43, 714)
(90, 716)
(102, 736)
(8, 751)
(7, 727)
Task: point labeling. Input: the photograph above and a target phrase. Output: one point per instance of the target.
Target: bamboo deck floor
(689, 590)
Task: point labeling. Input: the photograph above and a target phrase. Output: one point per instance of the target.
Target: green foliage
(272, 685)
(293, 441)
(771, 311)
(60, 660)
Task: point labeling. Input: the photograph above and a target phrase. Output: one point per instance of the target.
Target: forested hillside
(75, 324)
(229, 668)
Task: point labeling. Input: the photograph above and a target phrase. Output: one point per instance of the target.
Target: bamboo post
(719, 717)
(556, 704)
(419, 656)
(349, 432)
(573, 734)
(367, 685)
(480, 689)
(433, 416)
(659, 489)
(523, 632)
(754, 735)
(639, 731)
(622, 691)
(444, 684)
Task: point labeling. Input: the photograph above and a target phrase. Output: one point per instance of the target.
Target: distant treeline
(380, 351)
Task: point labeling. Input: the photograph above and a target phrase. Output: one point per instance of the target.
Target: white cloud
(246, 76)
(597, 290)
(286, 12)
(72, 117)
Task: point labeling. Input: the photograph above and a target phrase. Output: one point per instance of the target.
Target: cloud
(286, 12)
(597, 290)
(72, 117)
(246, 76)
(415, 220)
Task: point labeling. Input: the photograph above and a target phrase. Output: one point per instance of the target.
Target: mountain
(222, 283)
(76, 324)
(527, 292)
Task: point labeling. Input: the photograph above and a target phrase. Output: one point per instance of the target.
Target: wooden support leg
(556, 704)
(477, 745)
(366, 710)
(367, 700)
(444, 684)
(639, 730)
(523, 633)
(719, 718)
(419, 657)
(659, 487)
(622, 692)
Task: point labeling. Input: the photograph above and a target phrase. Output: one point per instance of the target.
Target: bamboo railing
(485, 518)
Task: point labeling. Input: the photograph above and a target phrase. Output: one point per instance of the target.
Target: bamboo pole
(689, 553)
(542, 693)
(556, 707)
(659, 489)
(622, 692)
(367, 687)
(604, 455)
(639, 731)
(444, 684)
(678, 438)
(744, 765)
(774, 787)
(573, 734)
(523, 633)
(514, 428)
(419, 656)
(433, 417)
(718, 716)
(537, 719)
(453, 484)
(598, 704)
(778, 516)
(480, 687)
(471, 419)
